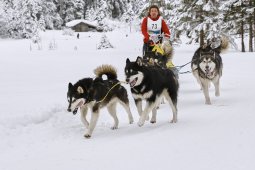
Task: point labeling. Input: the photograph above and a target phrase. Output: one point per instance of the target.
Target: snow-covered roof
(77, 21)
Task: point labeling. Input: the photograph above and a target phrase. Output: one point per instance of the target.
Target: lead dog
(150, 83)
(97, 93)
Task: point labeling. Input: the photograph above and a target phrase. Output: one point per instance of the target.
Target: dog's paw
(208, 102)
(87, 136)
(114, 127)
(217, 94)
(131, 119)
(140, 123)
(153, 121)
(173, 121)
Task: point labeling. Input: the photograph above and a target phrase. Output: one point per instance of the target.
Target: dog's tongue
(79, 105)
(132, 83)
(209, 73)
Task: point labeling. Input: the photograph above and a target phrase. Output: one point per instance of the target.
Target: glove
(154, 37)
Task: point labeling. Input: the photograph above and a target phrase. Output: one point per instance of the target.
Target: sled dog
(97, 93)
(207, 66)
(151, 83)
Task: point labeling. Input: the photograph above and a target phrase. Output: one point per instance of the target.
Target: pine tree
(234, 17)
(254, 24)
(138, 7)
(2, 19)
(129, 15)
(23, 18)
(69, 10)
(199, 19)
(100, 11)
(79, 9)
(250, 11)
(50, 14)
(104, 43)
(172, 18)
(118, 7)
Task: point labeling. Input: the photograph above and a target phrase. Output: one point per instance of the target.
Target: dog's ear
(201, 55)
(80, 90)
(127, 61)
(139, 61)
(70, 85)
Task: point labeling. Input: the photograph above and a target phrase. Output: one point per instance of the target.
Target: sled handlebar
(155, 38)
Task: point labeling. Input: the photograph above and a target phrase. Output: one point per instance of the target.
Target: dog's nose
(127, 80)
(69, 110)
(207, 67)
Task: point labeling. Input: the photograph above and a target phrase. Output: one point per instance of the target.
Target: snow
(77, 21)
(38, 133)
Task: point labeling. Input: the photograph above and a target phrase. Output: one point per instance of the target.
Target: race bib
(154, 27)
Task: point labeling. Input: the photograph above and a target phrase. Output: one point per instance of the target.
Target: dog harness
(158, 49)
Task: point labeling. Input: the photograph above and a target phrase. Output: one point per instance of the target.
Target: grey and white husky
(207, 67)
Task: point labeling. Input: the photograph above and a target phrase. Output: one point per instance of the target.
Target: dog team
(150, 81)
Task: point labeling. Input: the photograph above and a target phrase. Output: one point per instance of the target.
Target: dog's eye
(73, 99)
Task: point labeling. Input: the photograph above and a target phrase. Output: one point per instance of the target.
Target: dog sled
(158, 51)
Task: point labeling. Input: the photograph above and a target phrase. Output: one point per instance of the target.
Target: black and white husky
(151, 83)
(97, 93)
(207, 67)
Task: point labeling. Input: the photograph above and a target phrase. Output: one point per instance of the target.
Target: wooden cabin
(82, 25)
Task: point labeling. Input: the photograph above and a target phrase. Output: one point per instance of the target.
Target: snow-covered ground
(37, 133)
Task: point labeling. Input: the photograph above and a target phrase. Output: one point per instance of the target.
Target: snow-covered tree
(129, 15)
(199, 19)
(68, 11)
(100, 11)
(172, 17)
(51, 17)
(2, 19)
(71, 9)
(250, 10)
(23, 18)
(118, 7)
(236, 18)
(104, 43)
(79, 8)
